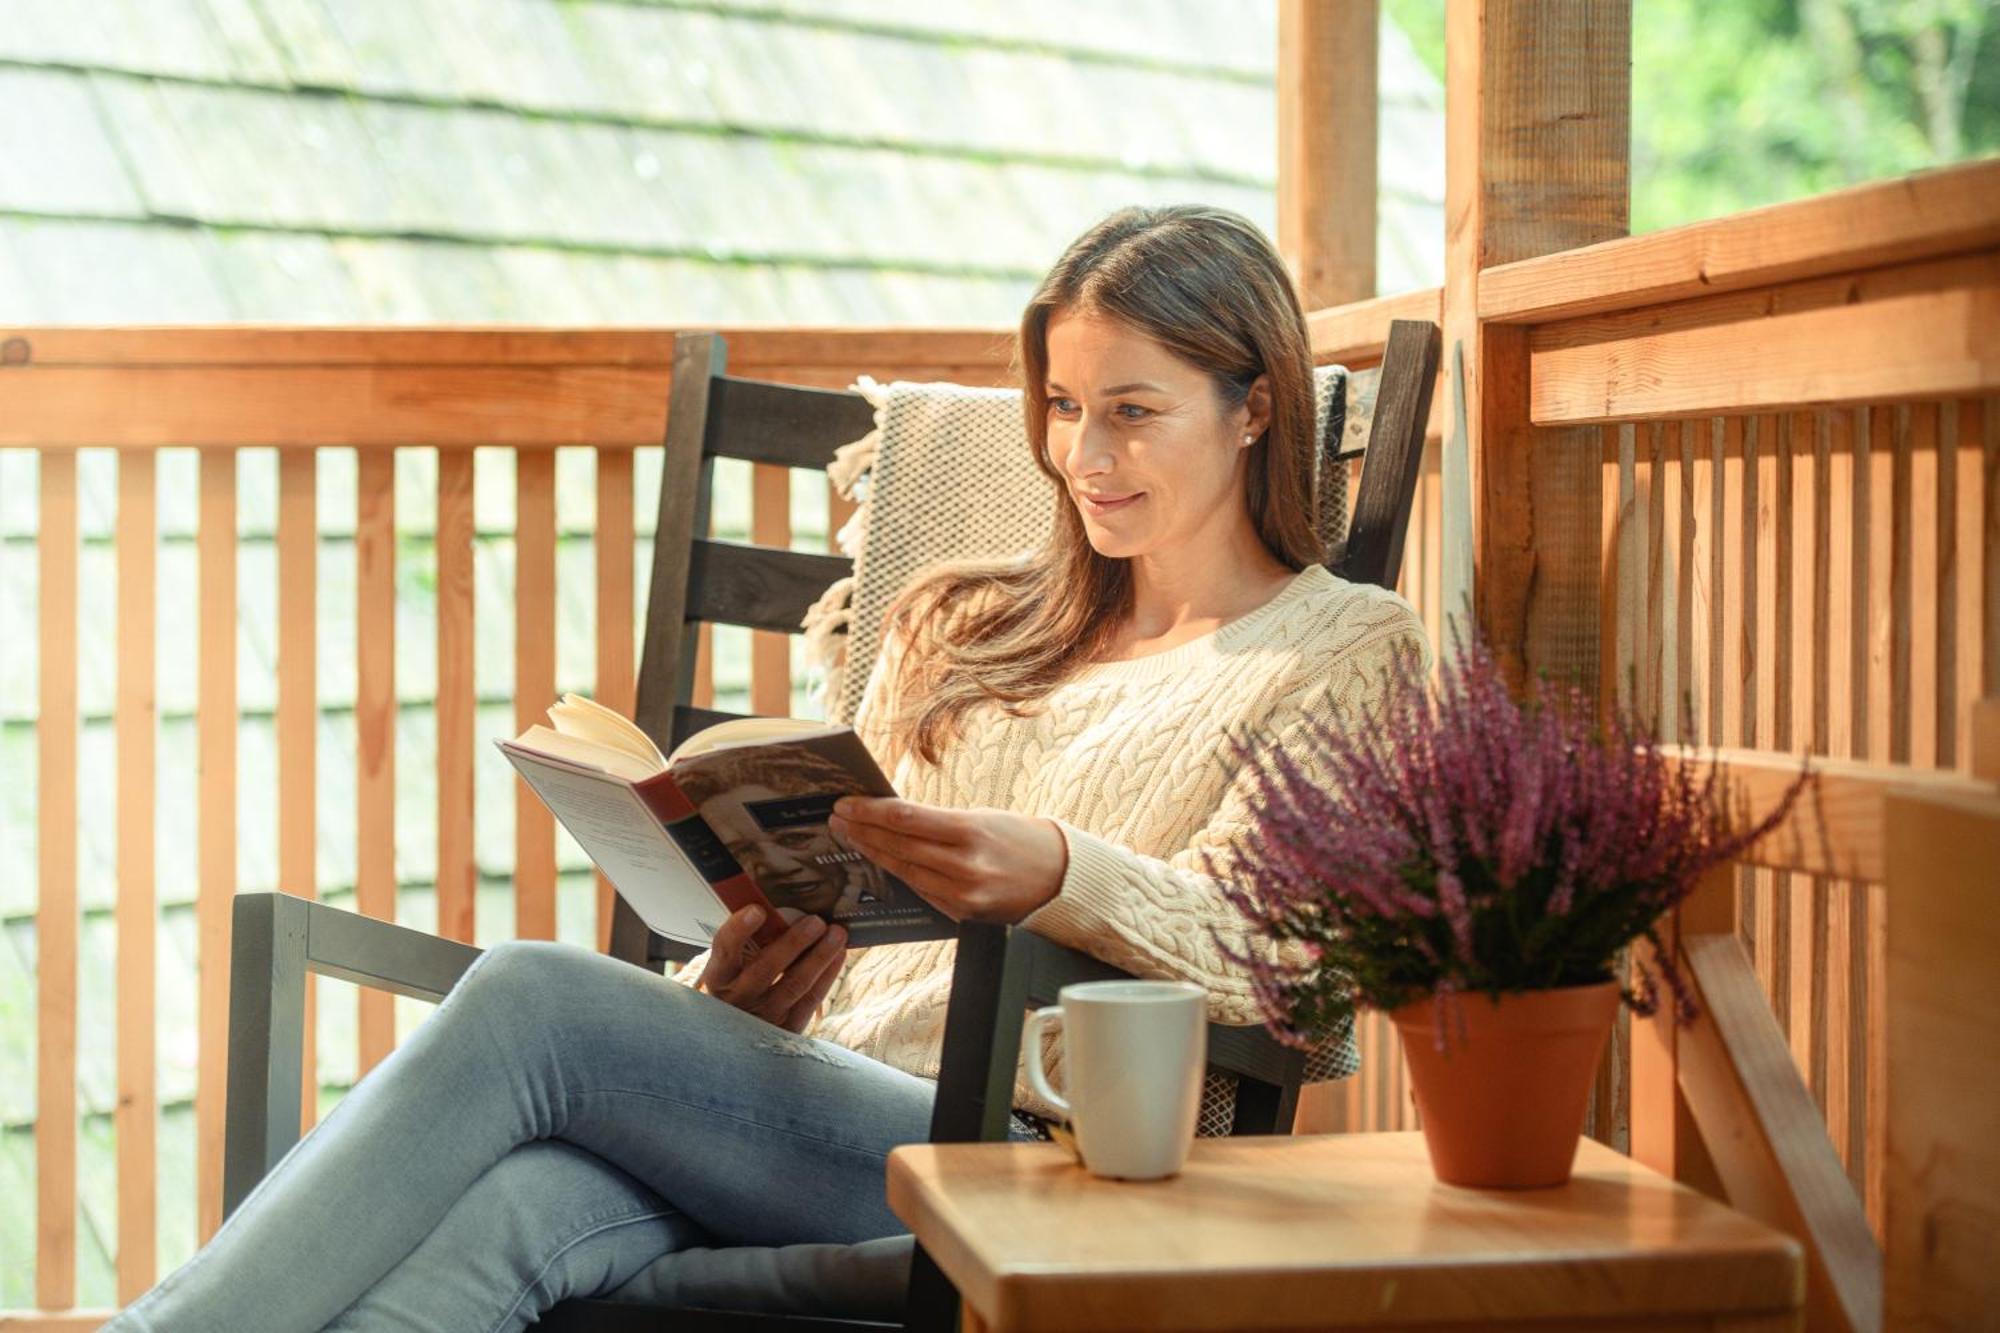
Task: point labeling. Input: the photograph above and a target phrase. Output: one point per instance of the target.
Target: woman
(1057, 726)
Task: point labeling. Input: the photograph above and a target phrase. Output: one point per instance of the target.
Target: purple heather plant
(1459, 840)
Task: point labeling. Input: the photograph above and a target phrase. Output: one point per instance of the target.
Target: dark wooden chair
(1000, 971)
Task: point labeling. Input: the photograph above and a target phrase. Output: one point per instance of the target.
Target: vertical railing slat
(135, 1119)
(1969, 483)
(375, 726)
(534, 682)
(215, 725)
(457, 871)
(1803, 972)
(1834, 592)
(56, 919)
(1920, 682)
(615, 665)
(298, 711)
(1691, 623)
(1950, 716)
(770, 651)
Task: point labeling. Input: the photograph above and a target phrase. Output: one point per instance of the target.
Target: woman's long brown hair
(1205, 284)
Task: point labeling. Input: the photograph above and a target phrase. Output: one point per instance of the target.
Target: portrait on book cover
(769, 805)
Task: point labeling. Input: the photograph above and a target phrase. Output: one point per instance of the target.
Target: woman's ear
(1257, 409)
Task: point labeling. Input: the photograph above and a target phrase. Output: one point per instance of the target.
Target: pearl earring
(1248, 439)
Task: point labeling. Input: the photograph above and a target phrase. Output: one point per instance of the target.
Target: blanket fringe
(827, 620)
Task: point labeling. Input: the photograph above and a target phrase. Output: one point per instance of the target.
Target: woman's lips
(1094, 505)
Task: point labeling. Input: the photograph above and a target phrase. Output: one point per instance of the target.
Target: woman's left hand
(972, 865)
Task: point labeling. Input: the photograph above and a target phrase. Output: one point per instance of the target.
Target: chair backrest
(712, 415)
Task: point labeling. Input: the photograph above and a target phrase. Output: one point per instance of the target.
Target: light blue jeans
(560, 1122)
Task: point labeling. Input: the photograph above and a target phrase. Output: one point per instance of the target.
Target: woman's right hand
(782, 982)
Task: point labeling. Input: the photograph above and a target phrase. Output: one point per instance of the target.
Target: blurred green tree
(1739, 103)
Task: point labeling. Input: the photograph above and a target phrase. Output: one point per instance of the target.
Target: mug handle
(1032, 1039)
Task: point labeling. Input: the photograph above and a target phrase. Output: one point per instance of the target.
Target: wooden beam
(1327, 178)
(1356, 334)
(1537, 107)
(1943, 1169)
(1923, 216)
(1919, 331)
(1767, 1139)
(1838, 827)
(252, 345)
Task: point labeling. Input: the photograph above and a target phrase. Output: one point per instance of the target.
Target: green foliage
(1741, 103)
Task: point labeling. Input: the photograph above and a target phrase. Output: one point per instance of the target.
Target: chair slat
(1374, 552)
(56, 920)
(135, 1118)
(733, 584)
(771, 650)
(298, 713)
(783, 424)
(375, 726)
(215, 714)
(534, 683)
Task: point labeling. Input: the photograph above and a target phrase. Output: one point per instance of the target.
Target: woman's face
(1149, 455)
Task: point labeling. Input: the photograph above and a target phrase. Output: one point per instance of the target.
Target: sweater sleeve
(1160, 917)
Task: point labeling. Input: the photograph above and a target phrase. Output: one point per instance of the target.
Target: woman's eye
(1062, 405)
(1137, 411)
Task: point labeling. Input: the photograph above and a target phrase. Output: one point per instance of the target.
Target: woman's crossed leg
(745, 1133)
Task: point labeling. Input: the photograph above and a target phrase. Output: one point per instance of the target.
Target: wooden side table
(1337, 1231)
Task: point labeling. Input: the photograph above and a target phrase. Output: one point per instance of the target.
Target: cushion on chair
(868, 1280)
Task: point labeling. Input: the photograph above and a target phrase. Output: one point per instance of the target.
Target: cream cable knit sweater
(1128, 758)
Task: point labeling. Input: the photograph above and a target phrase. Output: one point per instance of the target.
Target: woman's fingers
(802, 976)
(772, 960)
(809, 1004)
(876, 841)
(930, 822)
(726, 951)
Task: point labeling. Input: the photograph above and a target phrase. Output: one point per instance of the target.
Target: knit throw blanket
(947, 474)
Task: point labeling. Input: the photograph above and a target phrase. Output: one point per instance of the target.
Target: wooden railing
(455, 396)
(1775, 488)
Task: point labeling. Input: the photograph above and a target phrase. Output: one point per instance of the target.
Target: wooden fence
(1778, 438)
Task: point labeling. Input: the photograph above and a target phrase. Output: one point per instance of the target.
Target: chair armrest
(276, 940)
(1000, 972)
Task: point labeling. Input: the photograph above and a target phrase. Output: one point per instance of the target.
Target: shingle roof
(608, 162)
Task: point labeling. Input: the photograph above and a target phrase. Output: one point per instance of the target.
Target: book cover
(728, 824)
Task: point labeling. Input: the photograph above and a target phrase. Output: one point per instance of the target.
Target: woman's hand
(782, 982)
(972, 865)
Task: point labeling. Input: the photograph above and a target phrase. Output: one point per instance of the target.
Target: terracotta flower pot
(1503, 1104)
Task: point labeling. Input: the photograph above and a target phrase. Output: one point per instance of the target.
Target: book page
(577, 750)
(586, 719)
(748, 731)
(612, 824)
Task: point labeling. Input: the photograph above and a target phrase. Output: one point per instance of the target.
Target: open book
(736, 815)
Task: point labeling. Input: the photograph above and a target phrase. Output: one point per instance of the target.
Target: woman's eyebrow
(1139, 387)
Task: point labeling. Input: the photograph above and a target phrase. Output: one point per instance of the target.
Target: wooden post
(1328, 189)
(1537, 110)
(1327, 182)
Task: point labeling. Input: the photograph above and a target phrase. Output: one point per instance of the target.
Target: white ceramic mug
(1133, 1058)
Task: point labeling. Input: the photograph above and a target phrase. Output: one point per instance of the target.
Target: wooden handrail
(1357, 334)
(1920, 216)
(1838, 827)
(1767, 1139)
(384, 388)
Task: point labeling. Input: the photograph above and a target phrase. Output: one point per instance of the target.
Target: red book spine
(723, 874)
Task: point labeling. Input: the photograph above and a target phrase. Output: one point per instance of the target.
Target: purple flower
(1459, 839)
